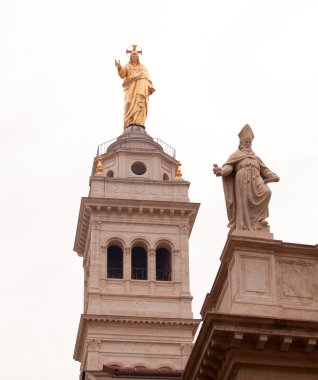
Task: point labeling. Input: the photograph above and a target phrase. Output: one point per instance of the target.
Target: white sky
(216, 65)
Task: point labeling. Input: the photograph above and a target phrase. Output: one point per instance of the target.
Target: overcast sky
(216, 65)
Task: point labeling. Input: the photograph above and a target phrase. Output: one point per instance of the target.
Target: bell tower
(132, 233)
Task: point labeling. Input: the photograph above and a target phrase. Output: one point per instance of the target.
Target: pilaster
(127, 268)
(184, 257)
(152, 269)
(94, 255)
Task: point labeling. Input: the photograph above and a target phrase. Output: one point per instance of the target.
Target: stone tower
(132, 233)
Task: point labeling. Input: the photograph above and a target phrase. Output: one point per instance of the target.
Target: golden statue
(137, 86)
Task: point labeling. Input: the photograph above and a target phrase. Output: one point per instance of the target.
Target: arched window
(163, 264)
(114, 262)
(139, 264)
(110, 173)
(165, 177)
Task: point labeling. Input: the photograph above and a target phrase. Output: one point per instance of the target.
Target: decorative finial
(99, 167)
(178, 173)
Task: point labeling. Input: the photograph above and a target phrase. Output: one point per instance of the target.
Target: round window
(138, 168)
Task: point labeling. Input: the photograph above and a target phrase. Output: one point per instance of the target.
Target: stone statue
(137, 86)
(245, 179)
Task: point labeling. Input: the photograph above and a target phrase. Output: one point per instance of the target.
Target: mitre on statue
(246, 133)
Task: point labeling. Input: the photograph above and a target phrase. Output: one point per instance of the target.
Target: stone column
(127, 267)
(152, 269)
(176, 270)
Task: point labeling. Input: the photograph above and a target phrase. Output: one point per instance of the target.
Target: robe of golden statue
(137, 86)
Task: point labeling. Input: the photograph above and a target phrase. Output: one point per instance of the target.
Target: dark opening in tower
(163, 265)
(139, 264)
(114, 262)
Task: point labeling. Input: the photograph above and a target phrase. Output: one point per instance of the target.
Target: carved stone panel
(186, 348)
(184, 229)
(297, 281)
(95, 224)
(93, 344)
(255, 276)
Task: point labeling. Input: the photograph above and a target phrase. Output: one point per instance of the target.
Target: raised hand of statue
(217, 170)
(117, 64)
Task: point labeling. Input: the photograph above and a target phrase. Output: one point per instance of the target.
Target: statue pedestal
(261, 234)
(260, 318)
(266, 278)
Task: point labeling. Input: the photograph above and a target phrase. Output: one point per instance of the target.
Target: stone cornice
(143, 296)
(258, 245)
(154, 210)
(87, 319)
(221, 333)
(142, 180)
(139, 320)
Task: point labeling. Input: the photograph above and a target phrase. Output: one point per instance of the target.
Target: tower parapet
(137, 166)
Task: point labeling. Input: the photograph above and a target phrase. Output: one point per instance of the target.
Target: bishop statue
(245, 179)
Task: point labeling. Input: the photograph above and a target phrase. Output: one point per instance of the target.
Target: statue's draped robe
(246, 194)
(137, 86)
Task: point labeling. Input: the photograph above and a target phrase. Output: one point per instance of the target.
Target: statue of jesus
(137, 86)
